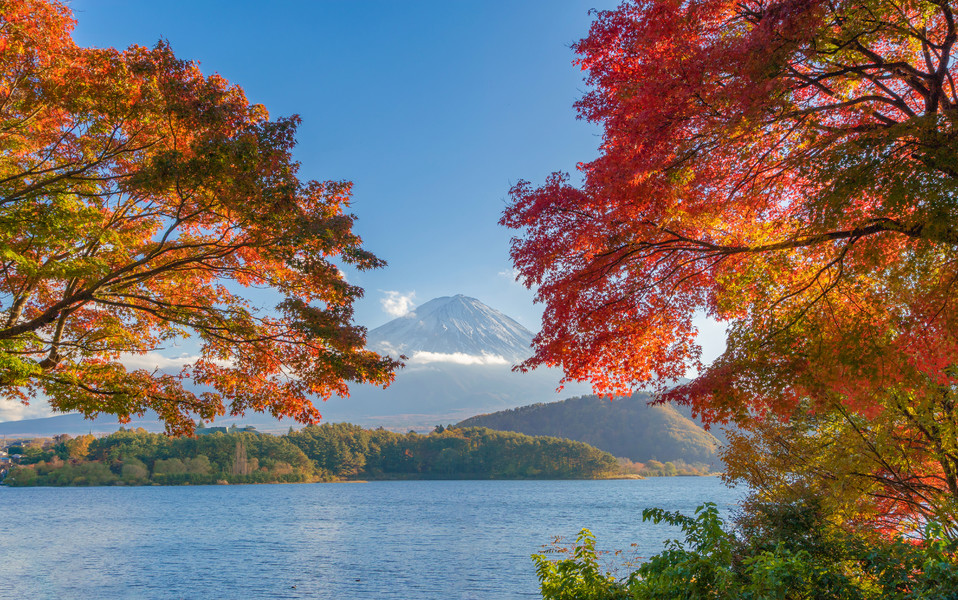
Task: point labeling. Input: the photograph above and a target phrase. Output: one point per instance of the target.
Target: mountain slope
(73, 424)
(626, 427)
(454, 324)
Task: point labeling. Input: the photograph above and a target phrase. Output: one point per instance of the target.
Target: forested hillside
(626, 427)
(316, 453)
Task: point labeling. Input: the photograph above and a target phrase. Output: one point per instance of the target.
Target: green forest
(327, 452)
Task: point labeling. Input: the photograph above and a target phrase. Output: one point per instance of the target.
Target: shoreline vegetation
(323, 453)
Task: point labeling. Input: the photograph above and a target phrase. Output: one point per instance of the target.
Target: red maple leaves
(785, 167)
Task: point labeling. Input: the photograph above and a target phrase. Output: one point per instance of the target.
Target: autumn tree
(140, 202)
(788, 167)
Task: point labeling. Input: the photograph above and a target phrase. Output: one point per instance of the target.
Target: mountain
(454, 325)
(460, 354)
(627, 427)
(73, 424)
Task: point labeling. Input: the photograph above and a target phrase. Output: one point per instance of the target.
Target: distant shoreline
(366, 479)
(626, 477)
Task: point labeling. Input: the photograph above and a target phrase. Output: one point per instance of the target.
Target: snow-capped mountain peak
(454, 325)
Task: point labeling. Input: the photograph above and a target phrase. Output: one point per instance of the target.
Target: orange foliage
(139, 199)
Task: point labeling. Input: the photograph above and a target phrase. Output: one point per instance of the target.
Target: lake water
(403, 539)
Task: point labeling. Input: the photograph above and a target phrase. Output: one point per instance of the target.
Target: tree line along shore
(327, 452)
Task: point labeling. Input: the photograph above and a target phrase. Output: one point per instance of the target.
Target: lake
(397, 539)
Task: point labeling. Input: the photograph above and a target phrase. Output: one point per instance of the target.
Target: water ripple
(384, 540)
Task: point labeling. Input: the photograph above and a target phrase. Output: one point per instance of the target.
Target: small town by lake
(388, 539)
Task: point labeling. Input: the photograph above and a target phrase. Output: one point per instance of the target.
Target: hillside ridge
(626, 427)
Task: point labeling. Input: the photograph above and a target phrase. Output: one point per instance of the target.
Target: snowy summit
(454, 328)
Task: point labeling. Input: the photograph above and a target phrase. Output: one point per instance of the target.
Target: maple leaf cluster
(789, 168)
(140, 201)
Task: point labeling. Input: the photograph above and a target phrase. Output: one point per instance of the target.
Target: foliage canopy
(140, 203)
(789, 168)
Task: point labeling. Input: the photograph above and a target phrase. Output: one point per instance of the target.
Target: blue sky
(432, 109)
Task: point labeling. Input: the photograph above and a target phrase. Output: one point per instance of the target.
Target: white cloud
(13, 410)
(154, 360)
(397, 304)
(458, 358)
(151, 361)
(514, 278)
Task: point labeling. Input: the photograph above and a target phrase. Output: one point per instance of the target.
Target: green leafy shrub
(579, 577)
(134, 471)
(21, 476)
(779, 553)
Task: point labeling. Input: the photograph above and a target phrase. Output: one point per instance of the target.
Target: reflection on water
(410, 539)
